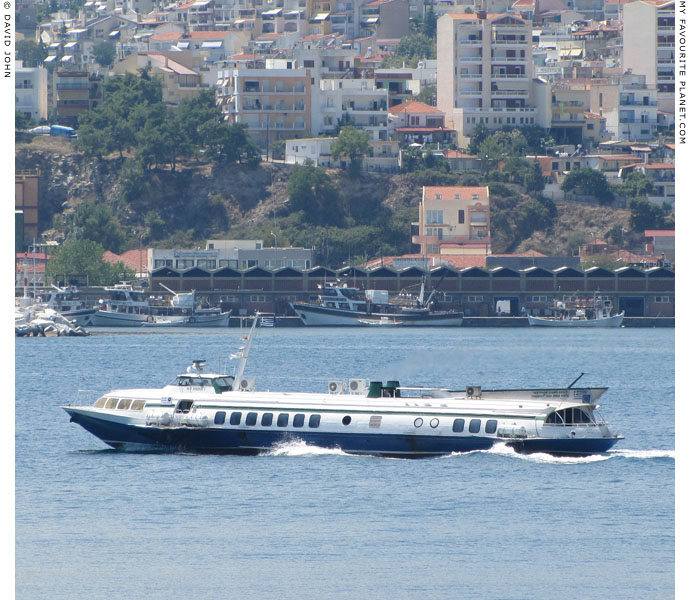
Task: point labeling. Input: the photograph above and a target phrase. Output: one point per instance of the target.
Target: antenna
(576, 380)
(244, 353)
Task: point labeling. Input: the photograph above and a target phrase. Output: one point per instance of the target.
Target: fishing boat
(340, 305)
(593, 312)
(219, 413)
(66, 301)
(382, 322)
(130, 307)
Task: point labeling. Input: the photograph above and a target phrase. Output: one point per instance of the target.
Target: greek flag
(267, 322)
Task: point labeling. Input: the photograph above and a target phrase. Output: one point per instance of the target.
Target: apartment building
(275, 102)
(454, 220)
(485, 73)
(629, 106)
(76, 92)
(649, 46)
(356, 102)
(31, 91)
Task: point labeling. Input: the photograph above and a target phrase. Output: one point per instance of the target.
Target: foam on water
(644, 454)
(301, 448)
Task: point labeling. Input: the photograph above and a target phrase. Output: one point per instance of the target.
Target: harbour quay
(478, 292)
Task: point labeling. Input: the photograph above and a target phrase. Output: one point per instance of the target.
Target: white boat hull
(317, 316)
(615, 321)
(107, 318)
(219, 320)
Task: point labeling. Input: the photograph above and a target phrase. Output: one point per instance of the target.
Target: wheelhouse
(218, 384)
(569, 417)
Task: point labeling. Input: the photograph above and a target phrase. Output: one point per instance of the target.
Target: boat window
(235, 418)
(100, 403)
(266, 419)
(298, 421)
(184, 381)
(475, 425)
(219, 419)
(124, 404)
(347, 419)
(111, 403)
(491, 426)
(314, 421)
(138, 405)
(250, 419)
(183, 406)
(459, 425)
(283, 420)
(568, 416)
(223, 384)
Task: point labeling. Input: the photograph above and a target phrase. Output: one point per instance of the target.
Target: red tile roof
(413, 106)
(660, 233)
(449, 192)
(458, 154)
(132, 259)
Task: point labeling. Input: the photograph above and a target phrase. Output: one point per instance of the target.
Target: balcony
(469, 42)
(510, 93)
(508, 75)
(636, 103)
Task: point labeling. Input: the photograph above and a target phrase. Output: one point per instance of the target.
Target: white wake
(301, 448)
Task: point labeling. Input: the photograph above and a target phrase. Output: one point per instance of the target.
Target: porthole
(418, 422)
(347, 419)
(433, 423)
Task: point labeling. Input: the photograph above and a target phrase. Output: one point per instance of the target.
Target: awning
(371, 20)
(114, 34)
(50, 59)
(319, 18)
(65, 59)
(272, 13)
(70, 44)
(212, 45)
(183, 45)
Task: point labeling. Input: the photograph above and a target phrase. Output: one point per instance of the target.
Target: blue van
(62, 131)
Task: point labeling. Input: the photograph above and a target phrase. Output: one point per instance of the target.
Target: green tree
(311, 190)
(96, 222)
(410, 50)
(636, 185)
(21, 121)
(589, 183)
(353, 143)
(430, 20)
(428, 95)
(31, 54)
(534, 179)
(104, 53)
(645, 215)
(478, 135)
(84, 258)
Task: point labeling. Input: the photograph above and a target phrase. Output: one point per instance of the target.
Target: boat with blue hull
(208, 412)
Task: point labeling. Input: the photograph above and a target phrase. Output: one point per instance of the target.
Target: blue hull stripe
(251, 441)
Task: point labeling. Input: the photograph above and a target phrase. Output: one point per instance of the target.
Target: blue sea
(307, 523)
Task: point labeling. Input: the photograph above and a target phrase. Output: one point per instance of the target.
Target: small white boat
(210, 412)
(382, 322)
(592, 313)
(195, 320)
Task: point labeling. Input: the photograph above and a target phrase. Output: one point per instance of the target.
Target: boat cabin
(219, 383)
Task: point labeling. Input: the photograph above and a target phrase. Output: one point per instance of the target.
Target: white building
(31, 91)
(629, 106)
(355, 102)
(237, 254)
(649, 46)
(485, 73)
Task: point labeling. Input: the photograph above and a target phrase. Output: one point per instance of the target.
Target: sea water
(301, 522)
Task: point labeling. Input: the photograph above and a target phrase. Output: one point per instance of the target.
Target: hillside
(201, 200)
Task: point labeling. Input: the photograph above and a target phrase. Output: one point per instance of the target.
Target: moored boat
(340, 305)
(209, 412)
(594, 312)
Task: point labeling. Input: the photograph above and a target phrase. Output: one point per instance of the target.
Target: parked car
(40, 130)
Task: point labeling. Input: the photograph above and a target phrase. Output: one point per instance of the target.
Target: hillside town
(425, 80)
